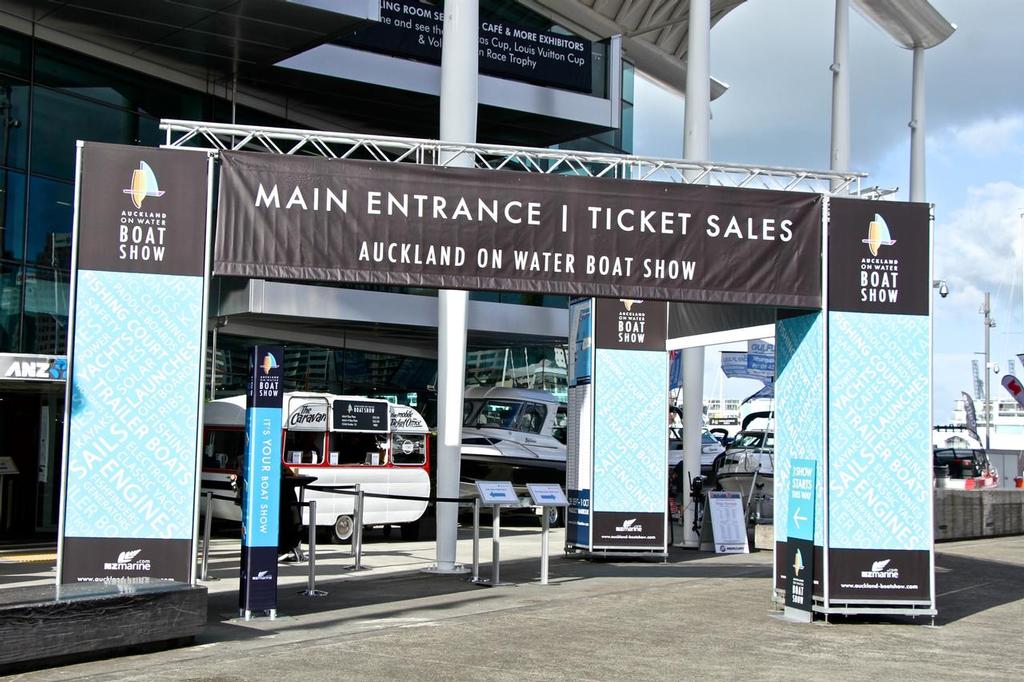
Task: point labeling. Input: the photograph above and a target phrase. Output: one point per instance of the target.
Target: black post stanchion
(476, 540)
(311, 590)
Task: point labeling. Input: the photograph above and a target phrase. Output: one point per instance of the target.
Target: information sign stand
(497, 494)
(546, 496)
(728, 522)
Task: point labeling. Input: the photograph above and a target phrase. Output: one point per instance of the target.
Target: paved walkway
(698, 615)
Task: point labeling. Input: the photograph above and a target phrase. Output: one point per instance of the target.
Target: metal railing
(218, 137)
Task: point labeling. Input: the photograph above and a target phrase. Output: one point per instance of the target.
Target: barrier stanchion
(357, 532)
(545, 526)
(496, 546)
(476, 540)
(207, 525)
(311, 590)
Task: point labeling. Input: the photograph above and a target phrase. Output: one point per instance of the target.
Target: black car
(962, 463)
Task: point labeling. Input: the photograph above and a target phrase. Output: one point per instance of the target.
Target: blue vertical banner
(137, 322)
(580, 442)
(800, 534)
(261, 482)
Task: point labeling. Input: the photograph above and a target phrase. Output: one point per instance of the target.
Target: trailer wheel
(555, 517)
(342, 529)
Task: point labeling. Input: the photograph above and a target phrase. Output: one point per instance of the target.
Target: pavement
(695, 615)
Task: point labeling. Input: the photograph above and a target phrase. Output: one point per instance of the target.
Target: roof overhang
(911, 23)
(654, 32)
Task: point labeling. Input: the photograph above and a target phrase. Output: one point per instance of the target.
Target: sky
(775, 57)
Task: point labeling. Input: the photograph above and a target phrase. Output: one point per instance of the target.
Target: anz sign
(33, 367)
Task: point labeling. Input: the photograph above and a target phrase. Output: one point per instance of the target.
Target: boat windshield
(754, 439)
(498, 414)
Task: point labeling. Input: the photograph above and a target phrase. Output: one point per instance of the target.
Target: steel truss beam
(219, 137)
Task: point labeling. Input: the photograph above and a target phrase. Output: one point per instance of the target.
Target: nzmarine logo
(263, 575)
(127, 561)
(144, 185)
(629, 526)
(878, 235)
(880, 569)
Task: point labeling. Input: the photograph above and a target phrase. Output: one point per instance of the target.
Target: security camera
(943, 290)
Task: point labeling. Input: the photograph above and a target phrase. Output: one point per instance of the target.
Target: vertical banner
(135, 384)
(880, 456)
(580, 450)
(799, 431)
(629, 498)
(261, 482)
(800, 534)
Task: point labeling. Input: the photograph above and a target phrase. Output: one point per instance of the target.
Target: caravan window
(223, 450)
(354, 448)
(409, 448)
(304, 447)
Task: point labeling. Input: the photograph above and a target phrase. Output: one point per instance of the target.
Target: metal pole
(476, 539)
(840, 154)
(207, 523)
(357, 532)
(544, 546)
(917, 128)
(311, 590)
(696, 147)
(496, 546)
(458, 113)
(987, 309)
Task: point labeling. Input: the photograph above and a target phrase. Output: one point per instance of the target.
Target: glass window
(304, 447)
(10, 308)
(12, 214)
(223, 450)
(46, 311)
(60, 120)
(13, 122)
(498, 414)
(532, 419)
(50, 216)
(355, 448)
(409, 448)
(15, 54)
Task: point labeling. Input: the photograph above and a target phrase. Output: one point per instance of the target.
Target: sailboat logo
(143, 185)
(798, 563)
(269, 363)
(628, 303)
(878, 235)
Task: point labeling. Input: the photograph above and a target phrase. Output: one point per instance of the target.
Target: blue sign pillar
(800, 539)
(261, 484)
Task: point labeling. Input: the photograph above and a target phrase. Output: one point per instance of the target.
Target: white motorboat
(748, 467)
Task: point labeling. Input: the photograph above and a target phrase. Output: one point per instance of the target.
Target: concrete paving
(697, 615)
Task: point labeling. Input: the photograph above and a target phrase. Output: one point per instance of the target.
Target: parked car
(967, 468)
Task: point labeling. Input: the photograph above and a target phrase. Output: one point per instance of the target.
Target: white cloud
(986, 137)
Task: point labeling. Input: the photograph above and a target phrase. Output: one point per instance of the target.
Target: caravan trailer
(339, 440)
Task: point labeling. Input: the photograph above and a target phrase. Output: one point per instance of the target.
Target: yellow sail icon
(143, 184)
(878, 235)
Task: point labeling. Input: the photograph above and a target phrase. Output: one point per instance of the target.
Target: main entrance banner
(309, 218)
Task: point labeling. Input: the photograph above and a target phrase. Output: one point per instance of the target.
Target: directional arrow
(797, 518)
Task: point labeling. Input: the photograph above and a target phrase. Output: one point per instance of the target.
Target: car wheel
(342, 529)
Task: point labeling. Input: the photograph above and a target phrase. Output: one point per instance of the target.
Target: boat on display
(512, 434)
(748, 467)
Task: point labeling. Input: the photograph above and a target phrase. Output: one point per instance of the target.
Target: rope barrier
(346, 490)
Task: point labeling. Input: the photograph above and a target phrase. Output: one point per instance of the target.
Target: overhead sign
(361, 415)
(728, 522)
(879, 255)
(497, 492)
(133, 413)
(306, 218)
(412, 29)
(547, 495)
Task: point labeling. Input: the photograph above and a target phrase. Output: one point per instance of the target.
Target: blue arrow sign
(800, 519)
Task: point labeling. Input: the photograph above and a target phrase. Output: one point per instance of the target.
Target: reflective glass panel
(46, 311)
(13, 122)
(50, 214)
(12, 214)
(10, 306)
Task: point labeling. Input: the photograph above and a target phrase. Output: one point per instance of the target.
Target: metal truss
(217, 137)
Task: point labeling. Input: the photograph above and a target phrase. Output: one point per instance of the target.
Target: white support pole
(696, 147)
(917, 128)
(458, 124)
(840, 155)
